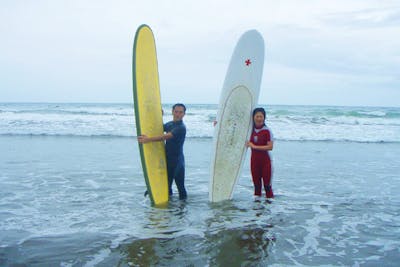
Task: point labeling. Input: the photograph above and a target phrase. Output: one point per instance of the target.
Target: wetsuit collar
(177, 122)
(257, 130)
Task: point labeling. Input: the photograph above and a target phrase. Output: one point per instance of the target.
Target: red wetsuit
(261, 162)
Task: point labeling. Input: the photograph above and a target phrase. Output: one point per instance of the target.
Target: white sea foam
(98, 258)
(72, 201)
(299, 123)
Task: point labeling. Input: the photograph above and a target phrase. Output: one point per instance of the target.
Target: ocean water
(72, 191)
(289, 123)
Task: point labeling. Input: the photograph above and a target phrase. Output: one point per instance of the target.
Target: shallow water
(78, 201)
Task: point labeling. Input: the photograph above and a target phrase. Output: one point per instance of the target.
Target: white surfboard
(234, 118)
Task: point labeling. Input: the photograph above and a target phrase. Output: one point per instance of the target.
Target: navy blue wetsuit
(175, 158)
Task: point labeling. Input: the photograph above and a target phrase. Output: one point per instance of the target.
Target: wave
(298, 123)
(329, 112)
(65, 135)
(68, 112)
(67, 109)
(207, 138)
(334, 120)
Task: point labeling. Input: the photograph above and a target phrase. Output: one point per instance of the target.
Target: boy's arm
(145, 139)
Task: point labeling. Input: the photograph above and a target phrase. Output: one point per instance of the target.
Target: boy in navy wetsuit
(174, 136)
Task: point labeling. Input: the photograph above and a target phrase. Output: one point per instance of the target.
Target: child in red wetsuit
(261, 142)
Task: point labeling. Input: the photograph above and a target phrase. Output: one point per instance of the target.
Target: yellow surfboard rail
(148, 114)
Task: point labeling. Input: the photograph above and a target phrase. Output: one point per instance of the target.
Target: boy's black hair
(179, 105)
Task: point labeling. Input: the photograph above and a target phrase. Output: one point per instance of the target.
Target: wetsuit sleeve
(270, 137)
(252, 137)
(178, 131)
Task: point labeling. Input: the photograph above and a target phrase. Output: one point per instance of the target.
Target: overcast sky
(317, 52)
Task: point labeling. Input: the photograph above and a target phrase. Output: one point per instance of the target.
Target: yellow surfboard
(148, 114)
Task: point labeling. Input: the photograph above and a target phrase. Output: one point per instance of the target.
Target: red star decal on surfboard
(248, 62)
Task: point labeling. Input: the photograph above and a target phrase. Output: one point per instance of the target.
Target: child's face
(178, 113)
(258, 119)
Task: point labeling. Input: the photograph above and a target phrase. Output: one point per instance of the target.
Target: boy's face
(178, 112)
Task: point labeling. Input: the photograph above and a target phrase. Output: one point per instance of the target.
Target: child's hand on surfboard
(249, 144)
